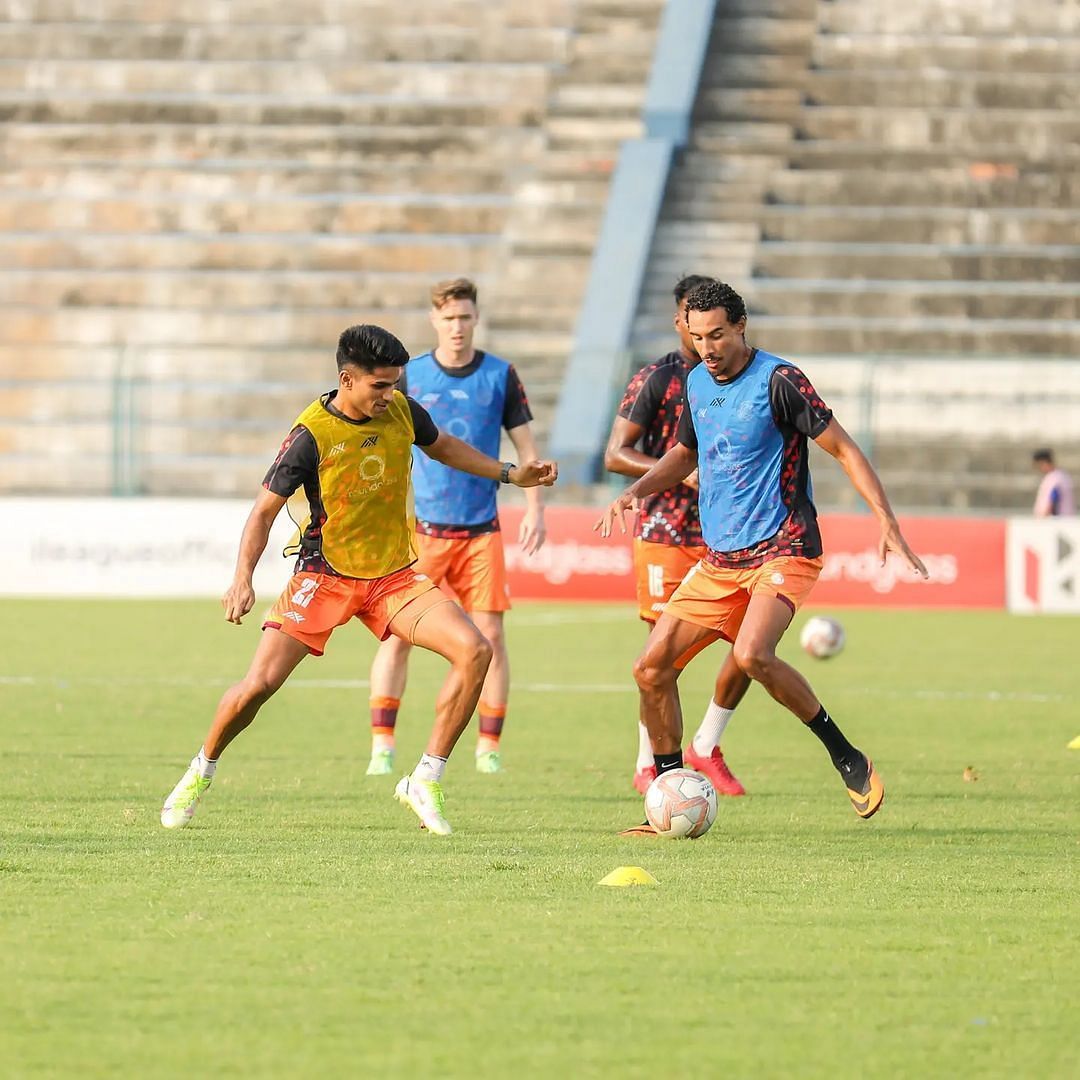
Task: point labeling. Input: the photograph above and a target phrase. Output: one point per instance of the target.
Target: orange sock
(384, 712)
(491, 725)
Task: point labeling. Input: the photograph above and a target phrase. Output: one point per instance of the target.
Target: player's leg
(495, 692)
(703, 751)
(275, 659)
(389, 672)
(768, 614)
(390, 668)
(434, 622)
(477, 574)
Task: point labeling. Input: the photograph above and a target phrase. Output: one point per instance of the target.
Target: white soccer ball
(822, 637)
(681, 803)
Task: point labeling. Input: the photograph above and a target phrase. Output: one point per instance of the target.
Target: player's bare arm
(460, 455)
(533, 531)
(836, 441)
(239, 598)
(676, 465)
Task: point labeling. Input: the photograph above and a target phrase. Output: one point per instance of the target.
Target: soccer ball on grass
(680, 803)
(822, 637)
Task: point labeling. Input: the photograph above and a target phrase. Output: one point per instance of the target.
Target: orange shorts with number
(718, 598)
(474, 568)
(313, 606)
(659, 569)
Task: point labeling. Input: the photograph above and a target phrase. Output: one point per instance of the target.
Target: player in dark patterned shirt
(667, 534)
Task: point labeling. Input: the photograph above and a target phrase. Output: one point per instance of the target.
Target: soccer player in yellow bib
(351, 452)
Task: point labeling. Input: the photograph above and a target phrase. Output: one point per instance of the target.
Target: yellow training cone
(622, 876)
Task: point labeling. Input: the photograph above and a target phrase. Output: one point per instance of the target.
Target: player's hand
(692, 480)
(534, 474)
(893, 540)
(238, 600)
(533, 531)
(616, 512)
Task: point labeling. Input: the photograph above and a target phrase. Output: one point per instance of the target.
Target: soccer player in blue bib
(474, 396)
(747, 417)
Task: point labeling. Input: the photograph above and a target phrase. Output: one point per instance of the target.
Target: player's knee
(257, 689)
(755, 661)
(649, 675)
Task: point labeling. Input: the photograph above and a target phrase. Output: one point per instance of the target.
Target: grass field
(304, 926)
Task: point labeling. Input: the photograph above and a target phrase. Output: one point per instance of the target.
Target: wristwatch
(504, 476)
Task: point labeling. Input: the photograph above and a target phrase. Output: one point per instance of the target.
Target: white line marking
(628, 687)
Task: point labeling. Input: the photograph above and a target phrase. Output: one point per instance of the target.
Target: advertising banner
(187, 547)
(1043, 563)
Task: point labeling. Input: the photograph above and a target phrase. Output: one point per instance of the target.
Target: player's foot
(489, 762)
(865, 789)
(1075, 744)
(644, 829)
(715, 768)
(381, 763)
(643, 778)
(180, 806)
(425, 798)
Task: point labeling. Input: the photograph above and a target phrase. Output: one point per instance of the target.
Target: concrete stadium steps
(1005, 18)
(241, 13)
(439, 255)
(225, 178)
(949, 52)
(386, 36)
(352, 110)
(961, 186)
(364, 216)
(940, 89)
(180, 143)
(926, 262)
(490, 81)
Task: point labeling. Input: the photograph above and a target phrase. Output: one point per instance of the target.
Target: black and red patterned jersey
(654, 401)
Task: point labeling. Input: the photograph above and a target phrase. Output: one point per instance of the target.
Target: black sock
(667, 762)
(845, 757)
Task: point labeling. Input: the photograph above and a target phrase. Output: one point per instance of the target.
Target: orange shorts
(718, 598)
(474, 568)
(659, 568)
(314, 605)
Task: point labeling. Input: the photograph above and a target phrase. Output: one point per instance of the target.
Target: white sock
(644, 748)
(712, 728)
(205, 765)
(430, 767)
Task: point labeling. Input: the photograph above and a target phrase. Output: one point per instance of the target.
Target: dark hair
(684, 286)
(717, 294)
(1043, 455)
(456, 289)
(369, 347)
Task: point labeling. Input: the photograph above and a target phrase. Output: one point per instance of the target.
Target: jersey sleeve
(516, 409)
(687, 434)
(297, 462)
(424, 430)
(642, 399)
(795, 402)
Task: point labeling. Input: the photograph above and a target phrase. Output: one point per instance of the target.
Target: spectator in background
(1055, 496)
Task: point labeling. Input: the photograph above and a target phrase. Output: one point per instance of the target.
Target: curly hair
(369, 347)
(686, 285)
(717, 294)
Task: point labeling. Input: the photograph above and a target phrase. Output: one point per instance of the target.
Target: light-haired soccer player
(351, 451)
(476, 396)
(667, 534)
(745, 427)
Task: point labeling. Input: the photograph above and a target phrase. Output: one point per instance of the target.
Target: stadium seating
(878, 190)
(203, 195)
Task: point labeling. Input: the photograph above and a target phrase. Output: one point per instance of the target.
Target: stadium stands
(878, 189)
(201, 196)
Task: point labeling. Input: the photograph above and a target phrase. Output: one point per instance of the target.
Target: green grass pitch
(303, 926)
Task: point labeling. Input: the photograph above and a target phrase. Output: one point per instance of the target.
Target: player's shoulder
(493, 362)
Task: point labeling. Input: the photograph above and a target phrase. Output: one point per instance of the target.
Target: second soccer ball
(822, 637)
(680, 803)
